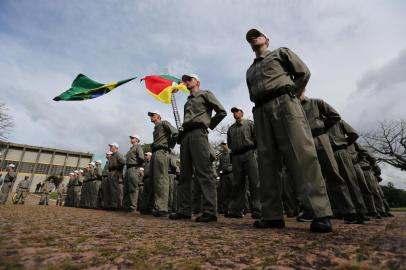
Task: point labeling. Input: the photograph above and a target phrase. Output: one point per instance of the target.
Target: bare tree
(222, 128)
(6, 121)
(388, 142)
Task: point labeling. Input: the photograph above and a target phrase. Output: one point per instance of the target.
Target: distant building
(40, 162)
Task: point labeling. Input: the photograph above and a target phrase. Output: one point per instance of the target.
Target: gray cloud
(45, 44)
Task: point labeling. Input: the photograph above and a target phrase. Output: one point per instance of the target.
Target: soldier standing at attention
(341, 136)
(146, 188)
(133, 174)
(226, 179)
(195, 150)
(46, 189)
(322, 117)
(22, 190)
(115, 187)
(165, 136)
(8, 182)
(69, 193)
(242, 142)
(96, 184)
(104, 198)
(61, 194)
(282, 131)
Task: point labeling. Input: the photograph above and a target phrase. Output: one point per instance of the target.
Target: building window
(42, 168)
(27, 167)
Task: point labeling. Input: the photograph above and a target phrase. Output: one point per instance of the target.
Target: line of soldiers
(298, 156)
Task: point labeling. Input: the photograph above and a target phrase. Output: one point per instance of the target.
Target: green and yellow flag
(85, 88)
(162, 86)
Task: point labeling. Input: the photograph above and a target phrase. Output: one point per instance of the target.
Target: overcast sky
(356, 51)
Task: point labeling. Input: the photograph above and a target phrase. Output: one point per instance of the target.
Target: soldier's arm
(140, 154)
(296, 67)
(218, 108)
(171, 130)
(329, 113)
(352, 135)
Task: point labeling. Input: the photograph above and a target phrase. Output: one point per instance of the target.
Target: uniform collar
(262, 56)
(192, 95)
(305, 100)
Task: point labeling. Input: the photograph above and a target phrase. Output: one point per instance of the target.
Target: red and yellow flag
(162, 86)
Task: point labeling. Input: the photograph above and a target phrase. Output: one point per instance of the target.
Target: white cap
(114, 144)
(81, 170)
(71, 173)
(148, 154)
(236, 109)
(154, 112)
(134, 135)
(224, 142)
(141, 169)
(109, 153)
(75, 171)
(190, 75)
(92, 163)
(11, 165)
(99, 161)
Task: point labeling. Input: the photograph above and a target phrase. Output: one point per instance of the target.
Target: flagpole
(175, 111)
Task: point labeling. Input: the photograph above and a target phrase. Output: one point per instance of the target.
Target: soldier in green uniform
(61, 194)
(283, 132)
(85, 190)
(46, 189)
(115, 184)
(133, 174)
(321, 117)
(22, 190)
(8, 182)
(104, 198)
(78, 187)
(195, 152)
(69, 192)
(144, 205)
(96, 184)
(225, 170)
(165, 136)
(242, 142)
(365, 189)
(341, 136)
(173, 173)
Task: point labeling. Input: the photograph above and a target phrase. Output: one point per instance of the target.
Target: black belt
(226, 173)
(132, 166)
(288, 89)
(338, 148)
(243, 151)
(167, 149)
(194, 126)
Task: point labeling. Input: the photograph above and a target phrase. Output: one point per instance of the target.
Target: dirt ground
(51, 237)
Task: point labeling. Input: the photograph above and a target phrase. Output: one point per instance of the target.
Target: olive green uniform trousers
(283, 131)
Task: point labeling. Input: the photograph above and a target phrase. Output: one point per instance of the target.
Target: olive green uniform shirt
(198, 111)
(135, 156)
(342, 134)
(165, 136)
(320, 115)
(241, 136)
(274, 70)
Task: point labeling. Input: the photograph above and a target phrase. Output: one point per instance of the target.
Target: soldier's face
(147, 157)
(238, 115)
(225, 147)
(133, 140)
(258, 42)
(113, 149)
(191, 83)
(155, 118)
